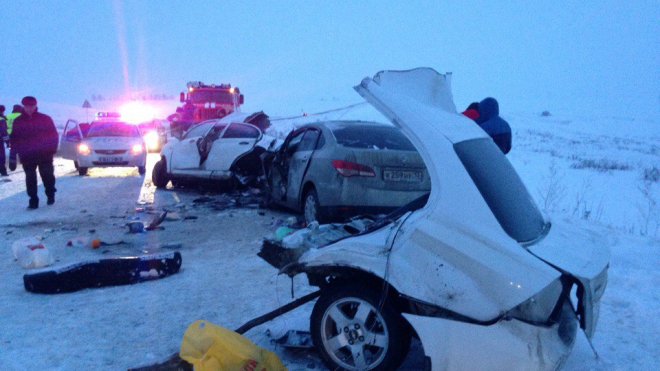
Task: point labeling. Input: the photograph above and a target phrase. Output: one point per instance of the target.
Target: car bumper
(509, 345)
(96, 160)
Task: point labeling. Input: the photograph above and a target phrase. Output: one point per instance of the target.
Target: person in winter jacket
(4, 137)
(472, 111)
(15, 112)
(490, 121)
(34, 139)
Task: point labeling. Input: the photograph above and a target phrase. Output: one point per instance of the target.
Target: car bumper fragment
(509, 345)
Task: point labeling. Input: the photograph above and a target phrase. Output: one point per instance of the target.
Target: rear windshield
(112, 129)
(372, 137)
(502, 188)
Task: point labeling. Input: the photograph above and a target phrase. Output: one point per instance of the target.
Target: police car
(107, 142)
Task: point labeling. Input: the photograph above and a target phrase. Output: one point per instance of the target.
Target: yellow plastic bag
(213, 348)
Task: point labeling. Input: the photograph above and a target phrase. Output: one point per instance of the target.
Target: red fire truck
(203, 102)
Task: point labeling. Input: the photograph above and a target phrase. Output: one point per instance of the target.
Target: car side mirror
(241, 99)
(182, 97)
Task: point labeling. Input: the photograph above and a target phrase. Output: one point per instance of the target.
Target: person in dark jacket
(4, 138)
(472, 111)
(489, 119)
(34, 139)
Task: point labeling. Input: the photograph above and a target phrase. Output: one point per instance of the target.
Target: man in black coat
(34, 139)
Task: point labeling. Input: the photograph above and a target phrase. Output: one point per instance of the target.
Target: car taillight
(136, 149)
(348, 169)
(83, 149)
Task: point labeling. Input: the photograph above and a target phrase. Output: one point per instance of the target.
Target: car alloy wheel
(354, 331)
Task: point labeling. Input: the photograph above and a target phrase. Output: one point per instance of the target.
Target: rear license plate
(110, 159)
(403, 175)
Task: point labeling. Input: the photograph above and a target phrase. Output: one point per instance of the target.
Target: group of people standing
(487, 115)
(32, 138)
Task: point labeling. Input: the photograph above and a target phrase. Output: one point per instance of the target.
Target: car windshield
(112, 129)
(372, 137)
(221, 96)
(502, 188)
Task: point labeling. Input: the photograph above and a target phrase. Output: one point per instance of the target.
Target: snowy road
(223, 281)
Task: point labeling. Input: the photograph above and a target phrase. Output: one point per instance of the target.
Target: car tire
(82, 170)
(142, 170)
(351, 321)
(312, 208)
(159, 174)
(75, 164)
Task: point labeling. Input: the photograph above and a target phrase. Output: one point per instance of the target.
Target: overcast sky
(587, 56)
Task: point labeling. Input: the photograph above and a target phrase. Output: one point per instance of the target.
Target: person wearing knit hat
(34, 141)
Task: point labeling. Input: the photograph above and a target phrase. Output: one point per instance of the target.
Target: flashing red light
(349, 169)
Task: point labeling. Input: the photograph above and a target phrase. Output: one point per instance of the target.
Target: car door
(236, 140)
(299, 163)
(71, 138)
(279, 172)
(185, 154)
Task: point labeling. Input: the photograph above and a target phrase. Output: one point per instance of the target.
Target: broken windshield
(501, 188)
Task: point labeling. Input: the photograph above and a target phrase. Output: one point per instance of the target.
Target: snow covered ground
(601, 173)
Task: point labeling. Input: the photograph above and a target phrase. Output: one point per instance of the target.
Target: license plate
(110, 159)
(403, 175)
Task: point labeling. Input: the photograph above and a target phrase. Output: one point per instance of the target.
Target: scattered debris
(48, 230)
(31, 253)
(295, 339)
(104, 272)
(190, 217)
(80, 241)
(203, 199)
(155, 222)
(135, 227)
(173, 216)
(282, 232)
(92, 230)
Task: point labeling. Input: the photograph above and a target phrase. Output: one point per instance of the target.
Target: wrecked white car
(473, 270)
(213, 150)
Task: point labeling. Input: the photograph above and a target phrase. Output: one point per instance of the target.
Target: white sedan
(210, 150)
(107, 143)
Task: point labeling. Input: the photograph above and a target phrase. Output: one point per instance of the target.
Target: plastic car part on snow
(104, 272)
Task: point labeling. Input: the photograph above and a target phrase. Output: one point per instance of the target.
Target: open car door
(230, 144)
(186, 158)
(71, 138)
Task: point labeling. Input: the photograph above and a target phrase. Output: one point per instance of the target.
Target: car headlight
(151, 139)
(540, 307)
(83, 149)
(136, 149)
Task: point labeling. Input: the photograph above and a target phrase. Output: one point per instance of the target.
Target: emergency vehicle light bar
(108, 115)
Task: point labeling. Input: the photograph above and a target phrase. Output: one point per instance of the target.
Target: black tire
(159, 174)
(385, 328)
(75, 164)
(82, 170)
(312, 208)
(142, 170)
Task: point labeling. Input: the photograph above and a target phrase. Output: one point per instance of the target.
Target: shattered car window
(502, 188)
(241, 131)
(199, 130)
(372, 137)
(113, 129)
